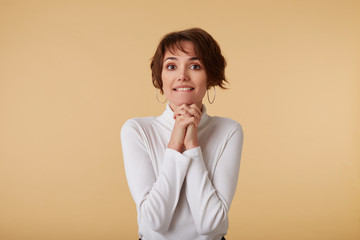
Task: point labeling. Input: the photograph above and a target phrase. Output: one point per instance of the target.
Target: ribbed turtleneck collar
(167, 117)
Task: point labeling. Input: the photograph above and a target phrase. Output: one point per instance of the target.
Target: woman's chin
(179, 103)
(175, 104)
(185, 99)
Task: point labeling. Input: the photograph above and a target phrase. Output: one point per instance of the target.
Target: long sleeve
(156, 197)
(209, 200)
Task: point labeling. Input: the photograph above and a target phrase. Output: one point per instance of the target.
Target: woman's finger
(183, 112)
(186, 121)
(191, 110)
(198, 110)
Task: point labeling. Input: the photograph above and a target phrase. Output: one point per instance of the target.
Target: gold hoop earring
(157, 97)
(207, 93)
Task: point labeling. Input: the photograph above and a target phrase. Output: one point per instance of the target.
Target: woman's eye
(171, 67)
(195, 67)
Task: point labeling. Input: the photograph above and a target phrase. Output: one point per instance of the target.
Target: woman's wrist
(175, 146)
(191, 146)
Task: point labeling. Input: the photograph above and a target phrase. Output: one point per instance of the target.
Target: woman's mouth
(183, 89)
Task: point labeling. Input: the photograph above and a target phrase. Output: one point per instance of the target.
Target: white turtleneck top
(185, 195)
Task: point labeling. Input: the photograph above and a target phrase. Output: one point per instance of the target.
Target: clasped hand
(184, 134)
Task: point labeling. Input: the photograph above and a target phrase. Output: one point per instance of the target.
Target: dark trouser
(221, 238)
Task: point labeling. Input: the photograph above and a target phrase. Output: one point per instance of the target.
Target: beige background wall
(71, 73)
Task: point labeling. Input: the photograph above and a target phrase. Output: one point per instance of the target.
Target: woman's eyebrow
(170, 58)
(174, 58)
(193, 58)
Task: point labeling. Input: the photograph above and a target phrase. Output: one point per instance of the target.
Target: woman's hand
(191, 136)
(184, 134)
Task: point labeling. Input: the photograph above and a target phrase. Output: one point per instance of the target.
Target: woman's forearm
(210, 200)
(156, 197)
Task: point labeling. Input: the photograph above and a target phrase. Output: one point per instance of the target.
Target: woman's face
(183, 76)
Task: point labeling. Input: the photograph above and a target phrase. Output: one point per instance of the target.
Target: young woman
(182, 166)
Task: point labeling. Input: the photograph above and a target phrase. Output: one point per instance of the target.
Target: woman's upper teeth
(184, 89)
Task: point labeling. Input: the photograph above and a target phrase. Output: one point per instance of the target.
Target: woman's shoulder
(224, 122)
(137, 123)
(223, 128)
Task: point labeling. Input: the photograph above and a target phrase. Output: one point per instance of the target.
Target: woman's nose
(183, 75)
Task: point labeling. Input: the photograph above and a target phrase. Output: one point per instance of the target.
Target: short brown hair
(205, 48)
